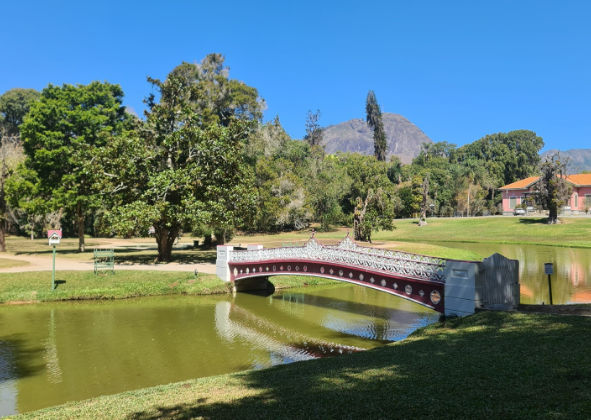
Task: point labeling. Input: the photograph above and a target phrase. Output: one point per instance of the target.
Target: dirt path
(66, 264)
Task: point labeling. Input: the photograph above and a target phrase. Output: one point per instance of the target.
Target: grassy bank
(572, 232)
(491, 365)
(29, 287)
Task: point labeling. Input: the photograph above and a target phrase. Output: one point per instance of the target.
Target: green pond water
(571, 282)
(69, 351)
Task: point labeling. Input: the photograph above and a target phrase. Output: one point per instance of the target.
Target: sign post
(549, 269)
(54, 239)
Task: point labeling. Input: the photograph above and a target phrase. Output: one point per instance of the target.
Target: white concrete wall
(222, 269)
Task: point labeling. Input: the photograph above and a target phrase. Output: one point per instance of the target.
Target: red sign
(50, 233)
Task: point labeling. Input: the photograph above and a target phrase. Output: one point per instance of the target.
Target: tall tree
(60, 133)
(14, 105)
(374, 121)
(552, 190)
(424, 202)
(174, 171)
(314, 131)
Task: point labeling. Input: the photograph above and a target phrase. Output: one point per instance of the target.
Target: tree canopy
(173, 171)
(60, 134)
(14, 105)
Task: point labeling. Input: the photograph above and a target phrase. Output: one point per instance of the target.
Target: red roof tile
(519, 185)
(580, 179)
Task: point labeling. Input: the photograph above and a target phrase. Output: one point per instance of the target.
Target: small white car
(519, 212)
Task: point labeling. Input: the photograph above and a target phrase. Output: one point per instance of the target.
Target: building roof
(577, 180)
(520, 185)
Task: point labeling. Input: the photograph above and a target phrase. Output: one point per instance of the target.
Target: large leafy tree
(173, 170)
(507, 157)
(371, 197)
(374, 121)
(60, 133)
(14, 105)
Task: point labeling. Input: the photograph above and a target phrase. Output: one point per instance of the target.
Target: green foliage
(374, 120)
(60, 134)
(335, 184)
(507, 157)
(14, 105)
(371, 197)
(219, 99)
(174, 171)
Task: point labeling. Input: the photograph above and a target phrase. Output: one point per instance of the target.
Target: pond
(69, 351)
(571, 282)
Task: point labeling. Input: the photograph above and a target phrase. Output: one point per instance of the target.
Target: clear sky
(457, 69)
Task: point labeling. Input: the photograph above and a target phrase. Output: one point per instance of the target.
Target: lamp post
(432, 206)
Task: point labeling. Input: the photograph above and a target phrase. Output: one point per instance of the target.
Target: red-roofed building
(580, 201)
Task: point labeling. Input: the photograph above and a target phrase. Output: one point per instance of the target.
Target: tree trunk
(33, 229)
(81, 218)
(468, 208)
(552, 216)
(165, 238)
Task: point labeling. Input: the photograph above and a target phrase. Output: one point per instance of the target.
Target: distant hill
(580, 159)
(404, 138)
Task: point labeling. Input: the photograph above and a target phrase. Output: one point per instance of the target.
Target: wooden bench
(104, 260)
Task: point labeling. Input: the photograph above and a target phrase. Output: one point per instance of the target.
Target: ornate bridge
(447, 286)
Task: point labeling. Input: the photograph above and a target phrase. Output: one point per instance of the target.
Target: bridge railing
(348, 252)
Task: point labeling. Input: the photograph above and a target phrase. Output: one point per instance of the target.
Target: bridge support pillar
(462, 288)
(222, 269)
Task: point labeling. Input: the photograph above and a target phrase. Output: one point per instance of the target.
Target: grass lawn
(29, 287)
(572, 232)
(492, 365)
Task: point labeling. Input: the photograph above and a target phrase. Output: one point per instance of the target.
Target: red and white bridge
(447, 286)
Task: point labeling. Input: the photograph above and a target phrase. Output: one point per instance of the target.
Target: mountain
(404, 138)
(580, 159)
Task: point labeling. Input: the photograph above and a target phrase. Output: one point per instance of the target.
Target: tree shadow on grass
(501, 366)
(181, 257)
(533, 221)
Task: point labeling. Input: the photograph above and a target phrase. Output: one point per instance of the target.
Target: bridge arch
(446, 286)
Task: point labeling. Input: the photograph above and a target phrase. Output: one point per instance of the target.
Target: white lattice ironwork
(348, 252)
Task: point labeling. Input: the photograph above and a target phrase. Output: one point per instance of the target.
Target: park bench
(104, 260)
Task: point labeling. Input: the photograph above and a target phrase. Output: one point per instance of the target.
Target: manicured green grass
(29, 287)
(437, 251)
(492, 365)
(572, 232)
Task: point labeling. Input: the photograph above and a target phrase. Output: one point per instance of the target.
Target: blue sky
(457, 69)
